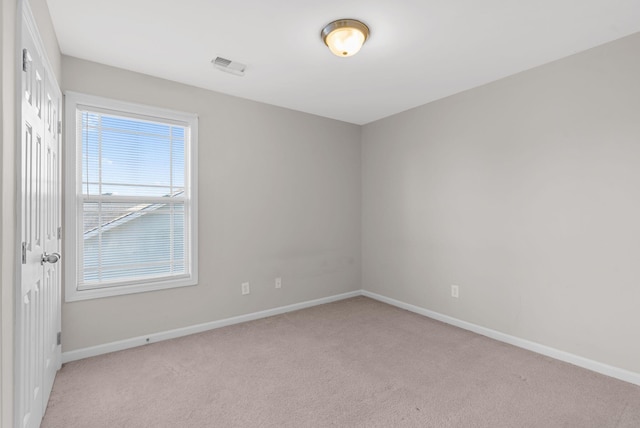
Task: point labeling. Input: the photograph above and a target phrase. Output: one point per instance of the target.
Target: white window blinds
(134, 203)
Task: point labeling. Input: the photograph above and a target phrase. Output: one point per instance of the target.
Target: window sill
(120, 290)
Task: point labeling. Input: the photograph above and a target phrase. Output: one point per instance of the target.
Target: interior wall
(10, 19)
(279, 195)
(7, 257)
(524, 193)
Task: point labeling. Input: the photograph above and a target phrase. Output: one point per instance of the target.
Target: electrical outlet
(278, 282)
(245, 288)
(455, 292)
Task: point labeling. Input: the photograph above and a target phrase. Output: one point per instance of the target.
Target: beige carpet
(354, 363)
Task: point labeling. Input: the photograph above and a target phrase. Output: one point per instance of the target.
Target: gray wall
(279, 195)
(525, 193)
(7, 257)
(9, 15)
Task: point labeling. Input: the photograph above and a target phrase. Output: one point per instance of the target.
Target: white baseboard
(615, 372)
(133, 342)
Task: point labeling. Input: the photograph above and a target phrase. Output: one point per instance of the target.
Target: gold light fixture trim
(345, 37)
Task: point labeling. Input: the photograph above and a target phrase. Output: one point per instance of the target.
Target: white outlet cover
(278, 282)
(245, 288)
(455, 291)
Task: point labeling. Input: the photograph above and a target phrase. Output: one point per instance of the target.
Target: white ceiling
(419, 50)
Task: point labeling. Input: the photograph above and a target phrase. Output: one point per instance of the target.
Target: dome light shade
(345, 37)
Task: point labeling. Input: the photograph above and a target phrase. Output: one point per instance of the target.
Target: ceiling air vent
(229, 66)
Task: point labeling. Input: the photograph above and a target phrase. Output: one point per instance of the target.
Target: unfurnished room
(311, 214)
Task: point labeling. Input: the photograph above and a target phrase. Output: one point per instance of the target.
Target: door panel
(31, 280)
(38, 300)
(51, 292)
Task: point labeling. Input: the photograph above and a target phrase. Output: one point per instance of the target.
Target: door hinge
(59, 338)
(59, 232)
(24, 253)
(59, 127)
(25, 59)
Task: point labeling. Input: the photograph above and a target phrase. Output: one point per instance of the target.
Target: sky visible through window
(131, 157)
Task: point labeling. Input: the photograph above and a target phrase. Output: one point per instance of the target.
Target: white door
(38, 309)
(51, 231)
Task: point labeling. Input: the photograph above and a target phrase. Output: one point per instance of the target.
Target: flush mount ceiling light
(345, 37)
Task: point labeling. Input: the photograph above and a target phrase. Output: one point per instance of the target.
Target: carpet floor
(352, 363)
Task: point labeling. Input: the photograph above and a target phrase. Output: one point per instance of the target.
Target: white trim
(73, 228)
(595, 366)
(115, 106)
(605, 369)
(133, 342)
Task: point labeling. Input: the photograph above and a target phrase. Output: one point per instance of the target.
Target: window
(131, 213)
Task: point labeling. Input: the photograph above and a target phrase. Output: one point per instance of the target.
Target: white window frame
(73, 190)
